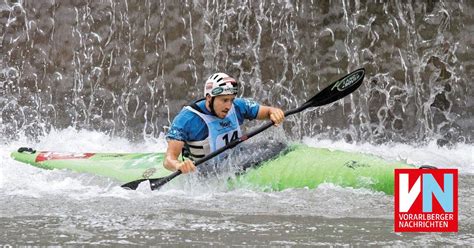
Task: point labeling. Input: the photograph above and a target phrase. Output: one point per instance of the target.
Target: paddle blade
(154, 183)
(338, 89)
(133, 185)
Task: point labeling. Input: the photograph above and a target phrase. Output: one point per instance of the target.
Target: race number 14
(225, 138)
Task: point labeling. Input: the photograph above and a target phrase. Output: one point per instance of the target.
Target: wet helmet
(220, 84)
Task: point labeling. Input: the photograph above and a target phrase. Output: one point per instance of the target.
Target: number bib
(221, 131)
(224, 139)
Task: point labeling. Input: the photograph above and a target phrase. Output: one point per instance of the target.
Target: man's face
(222, 104)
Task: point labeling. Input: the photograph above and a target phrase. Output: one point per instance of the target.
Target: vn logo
(426, 200)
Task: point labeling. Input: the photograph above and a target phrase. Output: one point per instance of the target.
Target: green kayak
(296, 166)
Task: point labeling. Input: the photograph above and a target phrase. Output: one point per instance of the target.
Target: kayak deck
(123, 167)
(297, 166)
(307, 167)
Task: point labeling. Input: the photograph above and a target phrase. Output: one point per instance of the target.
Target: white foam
(69, 139)
(20, 179)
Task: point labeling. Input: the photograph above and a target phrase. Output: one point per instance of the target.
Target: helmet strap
(211, 106)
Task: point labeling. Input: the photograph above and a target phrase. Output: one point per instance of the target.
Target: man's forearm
(171, 164)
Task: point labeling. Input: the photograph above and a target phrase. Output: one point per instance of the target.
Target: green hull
(123, 167)
(299, 167)
(307, 167)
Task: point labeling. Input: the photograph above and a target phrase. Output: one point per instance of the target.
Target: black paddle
(333, 92)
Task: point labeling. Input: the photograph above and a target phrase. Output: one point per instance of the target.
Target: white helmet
(220, 84)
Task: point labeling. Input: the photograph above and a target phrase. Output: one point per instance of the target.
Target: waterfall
(126, 68)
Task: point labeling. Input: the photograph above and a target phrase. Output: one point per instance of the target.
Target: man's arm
(274, 114)
(171, 161)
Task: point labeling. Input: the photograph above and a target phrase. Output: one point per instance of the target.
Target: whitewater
(59, 207)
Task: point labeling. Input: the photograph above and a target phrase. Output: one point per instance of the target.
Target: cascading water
(126, 68)
(109, 76)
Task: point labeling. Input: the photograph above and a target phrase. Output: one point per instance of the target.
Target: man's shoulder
(245, 102)
(246, 108)
(186, 115)
(186, 125)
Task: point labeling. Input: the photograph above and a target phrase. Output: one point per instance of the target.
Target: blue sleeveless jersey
(188, 126)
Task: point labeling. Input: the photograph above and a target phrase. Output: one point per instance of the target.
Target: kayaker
(210, 123)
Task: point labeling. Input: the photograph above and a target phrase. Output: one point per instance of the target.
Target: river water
(66, 208)
(109, 76)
